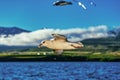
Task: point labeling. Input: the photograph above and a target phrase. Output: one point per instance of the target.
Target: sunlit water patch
(59, 70)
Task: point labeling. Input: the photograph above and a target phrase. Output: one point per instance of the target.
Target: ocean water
(59, 70)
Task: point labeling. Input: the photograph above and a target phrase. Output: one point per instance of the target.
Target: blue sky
(36, 14)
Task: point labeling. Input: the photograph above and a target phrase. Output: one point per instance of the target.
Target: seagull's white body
(60, 43)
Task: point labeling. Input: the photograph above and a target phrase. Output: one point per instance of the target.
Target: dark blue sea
(59, 70)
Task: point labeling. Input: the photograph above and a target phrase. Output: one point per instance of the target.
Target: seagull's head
(43, 43)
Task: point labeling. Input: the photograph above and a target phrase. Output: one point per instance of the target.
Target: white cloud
(33, 38)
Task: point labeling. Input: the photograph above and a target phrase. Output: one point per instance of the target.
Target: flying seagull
(60, 43)
(61, 3)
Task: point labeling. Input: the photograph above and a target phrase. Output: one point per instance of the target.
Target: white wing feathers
(59, 37)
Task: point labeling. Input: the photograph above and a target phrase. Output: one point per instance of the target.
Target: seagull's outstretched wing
(59, 37)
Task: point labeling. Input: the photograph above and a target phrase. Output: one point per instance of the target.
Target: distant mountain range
(12, 30)
(16, 30)
(112, 42)
(116, 32)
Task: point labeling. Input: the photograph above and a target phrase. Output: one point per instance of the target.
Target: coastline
(57, 58)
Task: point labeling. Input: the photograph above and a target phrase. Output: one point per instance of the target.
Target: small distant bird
(92, 3)
(82, 5)
(60, 43)
(61, 3)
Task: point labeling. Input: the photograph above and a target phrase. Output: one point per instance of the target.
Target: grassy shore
(66, 56)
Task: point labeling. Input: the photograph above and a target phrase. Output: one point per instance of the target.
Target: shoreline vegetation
(99, 49)
(44, 54)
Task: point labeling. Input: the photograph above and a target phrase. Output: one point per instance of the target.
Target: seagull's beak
(40, 45)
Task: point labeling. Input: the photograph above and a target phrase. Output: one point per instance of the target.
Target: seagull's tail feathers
(80, 44)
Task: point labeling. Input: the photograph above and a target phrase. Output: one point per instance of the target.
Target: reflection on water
(59, 70)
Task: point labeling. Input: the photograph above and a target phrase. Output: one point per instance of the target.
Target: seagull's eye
(43, 41)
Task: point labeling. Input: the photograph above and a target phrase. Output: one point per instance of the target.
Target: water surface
(59, 70)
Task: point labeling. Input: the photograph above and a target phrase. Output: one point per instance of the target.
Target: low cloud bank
(34, 38)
